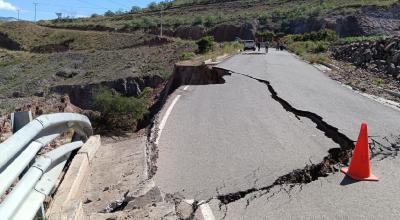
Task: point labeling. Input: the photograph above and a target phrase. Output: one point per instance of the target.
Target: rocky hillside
(38, 61)
(379, 56)
(228, 19)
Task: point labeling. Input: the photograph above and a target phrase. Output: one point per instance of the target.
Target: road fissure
(331, 163)
(336, 156)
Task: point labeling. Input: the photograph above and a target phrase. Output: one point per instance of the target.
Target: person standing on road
(258, 44)
(266, 46)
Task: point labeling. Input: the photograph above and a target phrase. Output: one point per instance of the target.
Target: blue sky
(77, 8)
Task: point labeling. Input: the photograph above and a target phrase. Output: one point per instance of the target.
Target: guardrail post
(19, 120)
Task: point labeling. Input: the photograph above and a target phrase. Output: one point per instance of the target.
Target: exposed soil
(52, 48)
(29, 73)
(374, 83)
(8, 43)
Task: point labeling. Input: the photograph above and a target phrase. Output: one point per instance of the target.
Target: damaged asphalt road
(258, 145)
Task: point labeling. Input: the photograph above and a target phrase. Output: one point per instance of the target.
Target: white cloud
(7, 6)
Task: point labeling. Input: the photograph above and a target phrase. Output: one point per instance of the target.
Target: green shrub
(378, 82)
(152, 5)
(119, 112)
(210, 20)
(149, 22)
(348, 40)
(135, 9)
(187, 55)
(205, 44)
(109, 13)
(316, 58)
(198, 20)
(321, 35)
(320, 47)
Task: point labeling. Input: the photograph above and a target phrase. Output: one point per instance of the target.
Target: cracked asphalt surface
(236, 145)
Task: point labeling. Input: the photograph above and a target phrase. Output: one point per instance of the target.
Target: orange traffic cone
(359, 168)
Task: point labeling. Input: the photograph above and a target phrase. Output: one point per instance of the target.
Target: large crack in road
(336, 157)
(331, 163)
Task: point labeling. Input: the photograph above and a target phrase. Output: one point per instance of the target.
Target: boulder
(67, 73)
(396, 58)
(390, 46)
(392, 69)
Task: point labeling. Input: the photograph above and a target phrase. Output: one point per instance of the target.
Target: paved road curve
(222, 139)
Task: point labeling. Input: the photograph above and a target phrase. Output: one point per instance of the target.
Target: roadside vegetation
(31, 36)
(349, 40)
(209, 49)
(313, 46)
(119, 113)
(225, 48)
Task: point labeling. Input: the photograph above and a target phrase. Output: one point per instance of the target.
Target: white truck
(249, 45)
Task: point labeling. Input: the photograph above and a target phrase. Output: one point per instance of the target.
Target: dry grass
(29, 35)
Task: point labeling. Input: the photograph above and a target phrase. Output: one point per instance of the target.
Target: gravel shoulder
(118, 174)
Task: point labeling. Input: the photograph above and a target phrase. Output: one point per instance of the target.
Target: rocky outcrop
(190, 32)
(379, 56)
(67, 73)
(8, 43)
(349, 25)
(227, 32)
(82, 95)
(303, 25)
(368, 20)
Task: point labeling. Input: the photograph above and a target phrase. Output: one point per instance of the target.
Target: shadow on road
(347, 181)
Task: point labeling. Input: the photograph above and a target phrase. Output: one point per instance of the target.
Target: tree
(266, 36)
(135, 9)
(119, 12)
(205, 44)
(152, 5)
(109, 13)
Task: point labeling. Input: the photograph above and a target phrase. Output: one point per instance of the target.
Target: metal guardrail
(37, 182)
